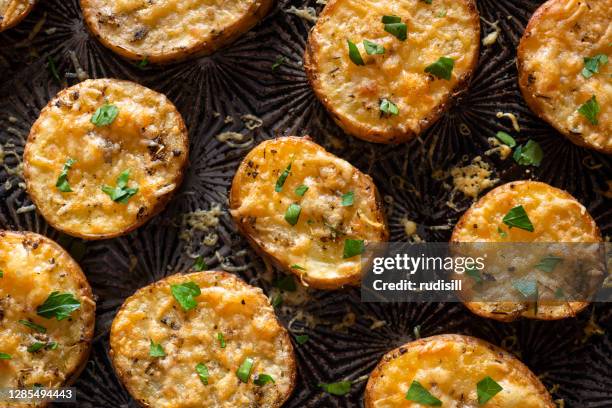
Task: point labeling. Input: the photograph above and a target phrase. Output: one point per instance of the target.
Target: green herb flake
(301, 190)
(427, 1)
(143, 62)
(293, 214)
(398, 30)
(244, 371)
(1, 273)
(373, 48)
(33, 326)
(199, 264)
(299, 267)
(52, 345)
(486, 389)
(348, 199)
(354, 53)
(34, 347)
(506, 139)
(442, 68)
(281, 179)
(156, 350)
(353, 247)
(441, 13)
(105, 115)
(302, 338)
(502, 233)
(474, 274)
(286, 283)
(280, 60)
(338, 388)
(530, 154)
(276, 301)
(590, 109)
(58, 305)
(388, 108)
(185, 294)
(121, 193)
(4, 356)
(391, 19)
(202, 371)
(53, 68)
(62, 181)
(559, 294)
(517, 217)
(527, 288)
(263, 379)
(591, 65)
(221, 338)
(549, 263)
(419, 394)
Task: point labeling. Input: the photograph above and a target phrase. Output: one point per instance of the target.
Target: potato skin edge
(19, 18)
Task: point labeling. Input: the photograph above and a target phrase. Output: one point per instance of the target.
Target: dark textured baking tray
(239, 80)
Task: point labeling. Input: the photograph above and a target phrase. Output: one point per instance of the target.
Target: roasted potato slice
(13, 11)
(456, 370)
(221, 347)
(304, 208)
(408, 61)
(564, 73)
(39, 342)
(556, 216)
(170, 30)
(104, 157)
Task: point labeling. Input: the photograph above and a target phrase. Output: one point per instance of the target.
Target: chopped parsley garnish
(156, 350)
(185, 294)
(1, 273)
(353, 247)
(105, 115)
(486, 389)
(244, 371)
(34, 347)
(398, 30)
(296, 266)
(33, 326)
(549, 263)
(528, 288)
(348, 199)
(302, 338)
(4, 356)
(52, 345)
(53, 69)
(280, 60)
(591, 65)
(221, 339)
(281, 179)
(293, 214)
(143, 62)
(427, 1)
(474, 274)
(121, 193)
(590, 109)
(263, 379)
(276, 301)
(62, 181)
(58, 305)
(338, 388)
(372, 48)
(419, 394)
(354, 53)
(199, 264)
(502, 233)
(506, 139)
(301, 190)
(388, 108)
(529, 154)
(202, 371)
(517, 217)
(391, 19)
(442, 68)
(286, 283)
(441, 13)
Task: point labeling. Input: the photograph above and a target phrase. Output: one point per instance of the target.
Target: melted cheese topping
(226, 305)
(353, 93)
(148, 138)
(316, 242)
(473, 178)
(164, 29)
(449, 367)
(33, 267)
(13, 11)
(551, 58)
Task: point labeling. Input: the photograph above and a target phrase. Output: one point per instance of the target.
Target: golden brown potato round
(170, 30)
(556, 217)
(338, 209)
(13, 11)
(358, 96)
(201, 346)
(136, 130)
(36, 345)
(449, 367)
(551, 64)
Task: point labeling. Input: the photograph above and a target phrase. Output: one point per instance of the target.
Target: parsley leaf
(506, 139)
(34, 347)
(391, 19)
(474, 274)
(62, 181)
(398, 30)
(143, 62)
(244, 371)
(301, 190)
(372, 48)
(121, 193)
(353, 247)
(418, 393)
(527, 288)
(4, 356)
(486, 389)
(388, 108)
(529, 154)
(263, 379)
(185, 294)
(199, 264)
(442, 68)
(517, 217)
(105, 115)
(286, 283)
(202, 371)
(348, 199)
(281, 179)
(33, 326)
(591, 65)
(502, 233)
(302, 338)
(549, 263)
(221, 339)
(293, 214)
(338, 388)
(590, 109)
(58, 305)
(296, 266)
(280, 60)
(276, 301)
(427, 1)
(354, 53)
(156, 350)
(53, 68)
